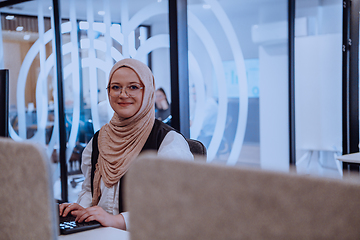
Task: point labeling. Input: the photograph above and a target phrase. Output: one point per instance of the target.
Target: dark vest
(153, 142)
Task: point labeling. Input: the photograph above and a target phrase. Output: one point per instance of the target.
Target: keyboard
(68, 225)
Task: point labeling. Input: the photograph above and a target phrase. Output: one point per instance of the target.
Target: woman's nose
(123, 90)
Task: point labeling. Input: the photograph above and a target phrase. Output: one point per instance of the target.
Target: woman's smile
(124, 104)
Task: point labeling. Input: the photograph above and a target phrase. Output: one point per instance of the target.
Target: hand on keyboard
(66, 208)
(100, 215)
(68, 223)
(91, 214)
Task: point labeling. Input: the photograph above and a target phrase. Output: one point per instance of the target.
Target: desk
(350, 158)
(98, 233)
(351, 162)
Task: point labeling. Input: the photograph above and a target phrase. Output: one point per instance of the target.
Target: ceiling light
(50, 8)
(19, 28)
(9, 17)
(26, 36)
(101, 13)
(83, 25)
(159, 1)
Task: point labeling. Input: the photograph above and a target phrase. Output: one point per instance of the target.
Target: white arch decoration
(121, 35)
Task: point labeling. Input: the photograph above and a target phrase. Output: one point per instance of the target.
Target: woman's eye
(114, 87)
(133, 87)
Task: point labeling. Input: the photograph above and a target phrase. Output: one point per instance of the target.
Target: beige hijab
(121, 140)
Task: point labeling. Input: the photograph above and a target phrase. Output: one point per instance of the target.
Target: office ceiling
(233, 8)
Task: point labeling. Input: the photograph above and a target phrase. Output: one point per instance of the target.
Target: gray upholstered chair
(27, 205)
(193, 200)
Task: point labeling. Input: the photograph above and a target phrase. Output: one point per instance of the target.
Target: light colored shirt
(173, 145)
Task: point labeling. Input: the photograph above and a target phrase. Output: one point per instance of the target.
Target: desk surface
(98, 233)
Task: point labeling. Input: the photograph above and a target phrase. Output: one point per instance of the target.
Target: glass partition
(238, 67)
(318, 87)
(94, 36)
(27, 50)
(238, 75)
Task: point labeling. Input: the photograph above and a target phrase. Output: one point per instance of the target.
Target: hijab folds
(121, 140)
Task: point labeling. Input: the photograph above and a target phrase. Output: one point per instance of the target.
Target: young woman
(108, 156)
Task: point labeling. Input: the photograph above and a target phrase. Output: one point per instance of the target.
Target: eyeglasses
(131, 90)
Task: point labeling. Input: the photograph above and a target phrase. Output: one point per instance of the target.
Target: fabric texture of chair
(26, 197)
(193, 200)
(196, 147)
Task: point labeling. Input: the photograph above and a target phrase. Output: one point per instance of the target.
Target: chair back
(196, 147)
(26, 197)
(193, 200)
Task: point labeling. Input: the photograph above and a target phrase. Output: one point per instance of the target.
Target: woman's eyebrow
(126, 83)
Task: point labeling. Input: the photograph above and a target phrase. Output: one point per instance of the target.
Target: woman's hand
(164, 105)
(66, 208)
(100, 215)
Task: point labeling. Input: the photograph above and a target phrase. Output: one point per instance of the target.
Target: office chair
(196, 147)
(26, 195)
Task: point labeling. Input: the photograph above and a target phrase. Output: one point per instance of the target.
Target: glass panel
(238, 70)
(318, 84)
(95, 36)
(27, 51)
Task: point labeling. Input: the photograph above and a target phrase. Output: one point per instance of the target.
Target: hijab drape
(121, 140)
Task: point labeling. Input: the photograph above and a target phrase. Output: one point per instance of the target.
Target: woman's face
(125, 92)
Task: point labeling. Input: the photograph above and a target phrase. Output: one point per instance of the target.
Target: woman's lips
(124, 104)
